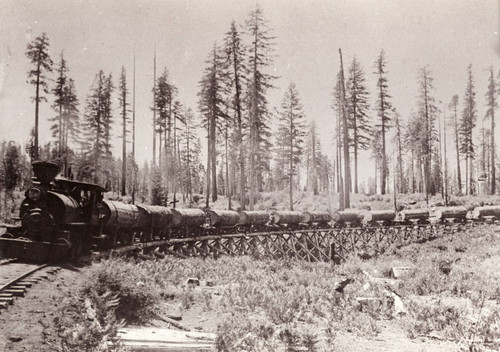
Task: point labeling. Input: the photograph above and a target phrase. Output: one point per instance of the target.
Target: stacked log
(223, 217)
(407, 215)
(373, 216)
(459, 213)
(189, 217)
(316, 217)
(285, 217)
(120, 215)
(486, 211)
(352, 216)
(253, 217)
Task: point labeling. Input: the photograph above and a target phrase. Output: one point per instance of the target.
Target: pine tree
(337, 107)
(66, 126)
(125, 120)
(189, 152)
(358, 124)
(398, 144)
(313, 158)
(345, 137)
(427, 113)
(59, 102)
(71, 123)
(414, 138)
(491, 98)
(260, 57)
(158, 191)
(467, 124)
(10, 172)
(164, 109)
(383, 107)
(38, 53)
(237, 76)
(98, 120)
(453, 106)
(211, 105)
(291, 132)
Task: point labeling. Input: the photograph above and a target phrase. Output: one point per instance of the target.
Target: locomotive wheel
(76, 247)
(7, 235)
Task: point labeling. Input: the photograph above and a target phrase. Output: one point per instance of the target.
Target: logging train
(62, 219)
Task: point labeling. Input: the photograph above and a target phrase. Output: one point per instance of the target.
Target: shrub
(130, 282)
(89, 324)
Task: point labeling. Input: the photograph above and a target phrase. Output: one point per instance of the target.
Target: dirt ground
(392, 337)
(28, 324)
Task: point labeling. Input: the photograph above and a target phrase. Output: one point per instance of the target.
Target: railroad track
(16, 278)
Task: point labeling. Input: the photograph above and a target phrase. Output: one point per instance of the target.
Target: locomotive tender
(62, 219)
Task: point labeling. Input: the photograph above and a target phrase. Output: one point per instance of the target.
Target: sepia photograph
(257, 176)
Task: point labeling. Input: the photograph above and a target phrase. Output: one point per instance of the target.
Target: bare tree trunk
(228, 183)
(37, 104)
(347, 167)
(154, 110)
(315, 175)
(134, 172)
(209, 168)
(457, 146)
(492, 152)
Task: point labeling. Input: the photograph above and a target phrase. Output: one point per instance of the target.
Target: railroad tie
(15, 292)
(25, 283)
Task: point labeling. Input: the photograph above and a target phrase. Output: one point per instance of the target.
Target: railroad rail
(16, 278)
(312, 245)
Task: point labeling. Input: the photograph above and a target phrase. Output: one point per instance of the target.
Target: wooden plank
(156, 339)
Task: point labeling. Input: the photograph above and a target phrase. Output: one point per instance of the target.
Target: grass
(453, 293)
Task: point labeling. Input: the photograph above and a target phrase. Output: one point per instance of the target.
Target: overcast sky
(447, 35)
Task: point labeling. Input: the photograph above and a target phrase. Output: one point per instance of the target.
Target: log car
(316, 219)
(188, 222)
(222, 221)
(449, 214)
(119, 222)
(379, 217)
(413, 216)
(289, 220)
(154, 222)
(486, 212)
(253, 221)
(348, 217)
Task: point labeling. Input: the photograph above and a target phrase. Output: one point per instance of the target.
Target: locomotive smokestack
(45, 171)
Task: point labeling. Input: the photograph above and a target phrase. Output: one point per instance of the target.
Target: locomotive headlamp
(34, 194)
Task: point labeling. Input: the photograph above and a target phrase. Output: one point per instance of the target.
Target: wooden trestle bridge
(312, 245)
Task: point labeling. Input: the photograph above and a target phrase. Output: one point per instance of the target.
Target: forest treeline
(254, 145)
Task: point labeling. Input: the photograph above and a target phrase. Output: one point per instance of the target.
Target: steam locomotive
(62, 219)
